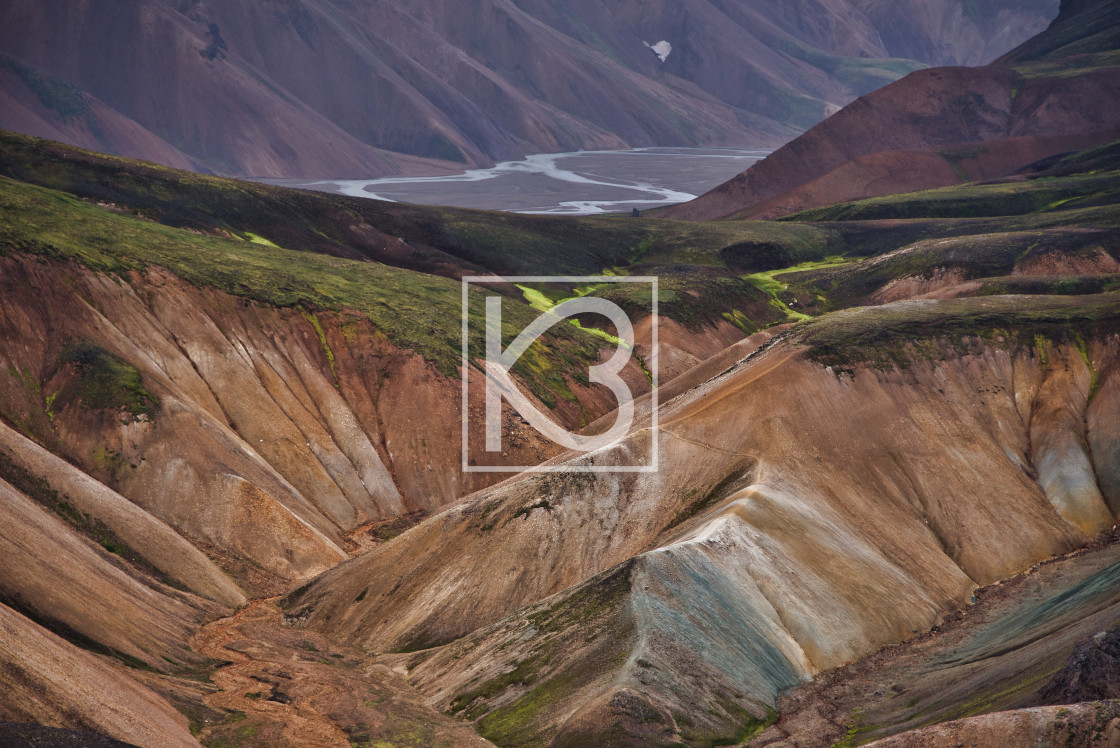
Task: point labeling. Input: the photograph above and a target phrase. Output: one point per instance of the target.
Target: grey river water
(580, 183)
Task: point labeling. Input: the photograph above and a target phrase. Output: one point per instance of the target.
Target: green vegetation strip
(895, 335)
(767, 282)
(416, 311)
(539, 301)
(1041, 195)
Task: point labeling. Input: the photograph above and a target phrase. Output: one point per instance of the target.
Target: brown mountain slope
(63, 581)
(943, 126)
(310, 449)
(155, 542)
(48, 681)
(267, 373)
(312, 87)
(773, 530)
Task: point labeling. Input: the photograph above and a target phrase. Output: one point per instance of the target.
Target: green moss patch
(105, 381)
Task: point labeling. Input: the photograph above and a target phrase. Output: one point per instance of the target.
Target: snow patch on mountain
(661, 49)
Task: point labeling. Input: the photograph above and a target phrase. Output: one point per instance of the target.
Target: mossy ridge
(871, 238)
(897, 335)
(444, 241)
(1102, 158)
(438, 239)
(719, 244)
(1052, 285)
(416, 311)
(990, 258)
(1012, 198)
(697, 298)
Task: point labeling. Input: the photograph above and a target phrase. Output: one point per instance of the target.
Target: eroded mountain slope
(48, 681)
(310, 447)
(773, 529)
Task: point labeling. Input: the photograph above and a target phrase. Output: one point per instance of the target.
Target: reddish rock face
(311, 87)
(273, 436)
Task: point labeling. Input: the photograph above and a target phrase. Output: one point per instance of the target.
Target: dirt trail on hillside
(300, 723)
(285, 687)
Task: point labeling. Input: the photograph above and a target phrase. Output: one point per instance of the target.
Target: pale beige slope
(68, 582)
(159, 544)
(48, 681)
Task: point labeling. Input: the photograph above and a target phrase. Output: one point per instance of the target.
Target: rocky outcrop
(1092, 672)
